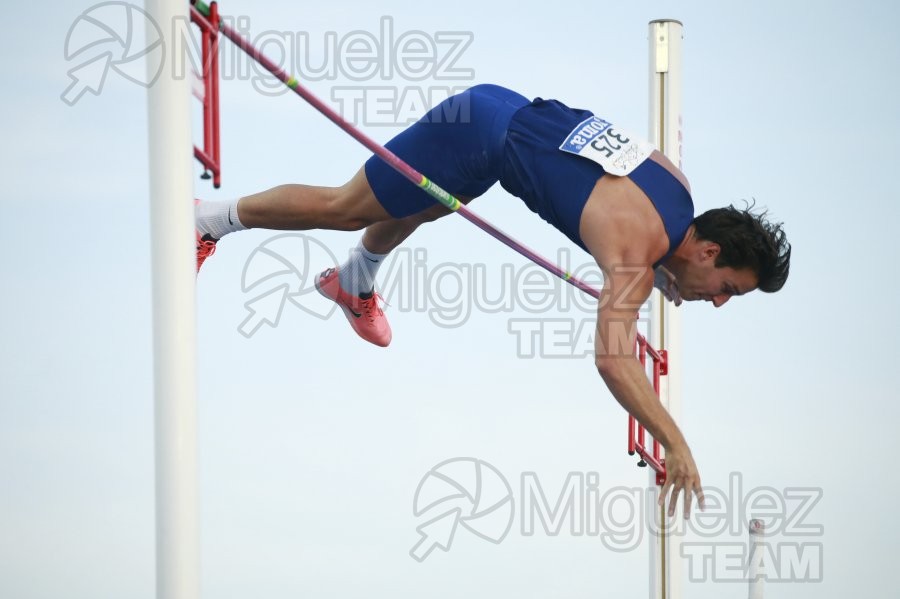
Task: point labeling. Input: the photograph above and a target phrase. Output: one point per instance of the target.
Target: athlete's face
(701, 280)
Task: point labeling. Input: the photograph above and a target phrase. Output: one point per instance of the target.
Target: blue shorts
(459, 145)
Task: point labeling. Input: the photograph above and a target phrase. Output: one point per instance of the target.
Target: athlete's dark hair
(748, 240)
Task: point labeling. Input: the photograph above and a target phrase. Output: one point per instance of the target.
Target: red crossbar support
(209, 156)
(636, 432)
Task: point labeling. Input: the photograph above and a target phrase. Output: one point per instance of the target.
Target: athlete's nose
(720, 300)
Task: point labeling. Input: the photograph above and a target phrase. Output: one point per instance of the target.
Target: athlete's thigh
(437, 211)
(357, 200)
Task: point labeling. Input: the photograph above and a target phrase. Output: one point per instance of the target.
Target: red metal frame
(636, 432)
(209, 156)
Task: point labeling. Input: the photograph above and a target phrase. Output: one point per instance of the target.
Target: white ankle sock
(217, 219)
(357, 274)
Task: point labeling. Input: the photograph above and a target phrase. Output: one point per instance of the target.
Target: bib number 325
(616, 150)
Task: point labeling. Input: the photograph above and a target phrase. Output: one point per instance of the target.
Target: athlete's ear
(709, 251)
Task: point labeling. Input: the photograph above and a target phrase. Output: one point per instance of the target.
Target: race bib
(616, 150)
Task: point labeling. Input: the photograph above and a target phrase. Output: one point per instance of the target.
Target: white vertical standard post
(174, 323)
(756, 572)
(665, 322)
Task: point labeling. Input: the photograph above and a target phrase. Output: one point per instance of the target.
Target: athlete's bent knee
(344, 214)
(345, 218)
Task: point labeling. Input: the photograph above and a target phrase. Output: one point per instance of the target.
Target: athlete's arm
(625, 235)
(625, 290)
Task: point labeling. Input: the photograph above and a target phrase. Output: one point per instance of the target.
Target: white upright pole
(665, 322)
(174, 327)
(755, 566)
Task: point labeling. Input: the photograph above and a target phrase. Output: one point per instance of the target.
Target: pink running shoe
(206, 247)
(365, 315)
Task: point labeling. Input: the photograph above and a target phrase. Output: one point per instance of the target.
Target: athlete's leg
(300, 207)
(351, 285)
(382, 237)
(357, 273)
(349, 207)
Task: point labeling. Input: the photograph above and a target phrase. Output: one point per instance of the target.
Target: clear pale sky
(312, 443)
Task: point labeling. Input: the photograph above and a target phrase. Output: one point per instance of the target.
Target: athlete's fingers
(673, 501)
(701, 498)
(664, 491)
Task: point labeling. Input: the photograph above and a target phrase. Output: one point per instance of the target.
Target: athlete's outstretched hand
(681, 477)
